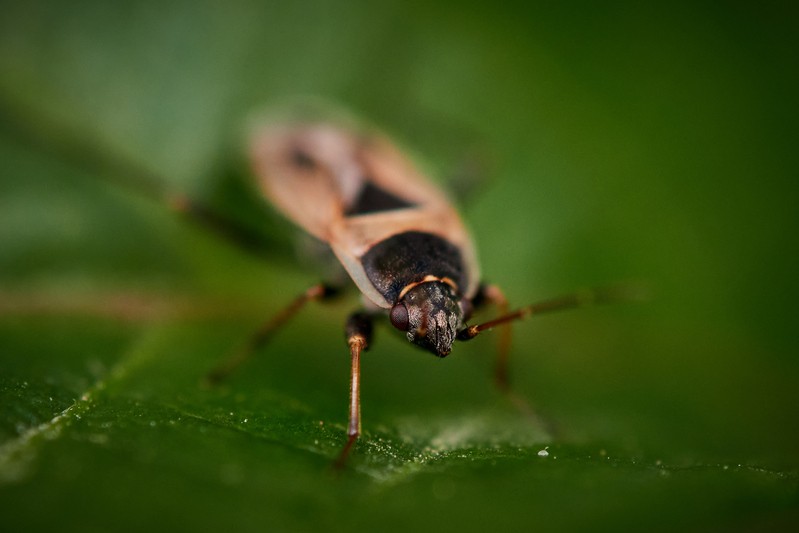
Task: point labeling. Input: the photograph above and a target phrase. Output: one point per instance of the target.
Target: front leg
(318, 292)
(492, 294)
(359, 335)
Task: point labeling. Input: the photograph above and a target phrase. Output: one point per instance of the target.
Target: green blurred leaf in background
(627, 140)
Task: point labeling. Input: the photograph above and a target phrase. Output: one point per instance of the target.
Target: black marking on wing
(408, 257)
(302, 160)
(373, 199)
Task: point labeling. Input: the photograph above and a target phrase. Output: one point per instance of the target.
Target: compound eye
(399, 317)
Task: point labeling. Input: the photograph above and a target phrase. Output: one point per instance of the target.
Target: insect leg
(600, 295)
(241, 354)
(493, 295)
(359, 335)
(233, 212)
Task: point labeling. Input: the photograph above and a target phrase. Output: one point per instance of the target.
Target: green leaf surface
(625, 142)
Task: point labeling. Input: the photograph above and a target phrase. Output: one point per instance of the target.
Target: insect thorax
(398, 261)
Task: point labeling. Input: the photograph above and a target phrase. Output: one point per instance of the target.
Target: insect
(398, 237)
(394, 233)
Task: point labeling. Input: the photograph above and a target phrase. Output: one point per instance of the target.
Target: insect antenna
(595, 296)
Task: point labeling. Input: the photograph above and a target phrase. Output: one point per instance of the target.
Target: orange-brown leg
(493, 294)
(599, 295)
(359, 333)
(241, 354)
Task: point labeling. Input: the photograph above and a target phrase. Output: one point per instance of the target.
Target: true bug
(395, 233)
(399, 238)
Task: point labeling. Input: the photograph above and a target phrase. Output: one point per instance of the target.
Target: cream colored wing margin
(314, 174)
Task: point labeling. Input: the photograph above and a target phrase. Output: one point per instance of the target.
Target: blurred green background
(625, 142)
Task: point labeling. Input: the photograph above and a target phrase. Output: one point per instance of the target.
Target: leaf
(632, 143)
